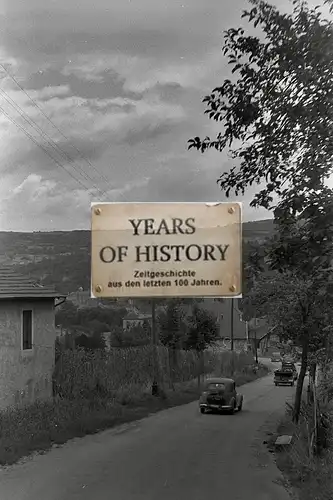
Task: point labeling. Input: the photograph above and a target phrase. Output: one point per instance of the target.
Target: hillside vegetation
(63, 257)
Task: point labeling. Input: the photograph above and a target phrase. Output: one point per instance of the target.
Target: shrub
(95, 390)
(79, 373)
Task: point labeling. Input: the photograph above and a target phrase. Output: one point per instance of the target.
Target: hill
(63, 257)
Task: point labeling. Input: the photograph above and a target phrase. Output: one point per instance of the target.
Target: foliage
(277, 123)
(172, 325)
(81, 373)
(300, 312)
(135, 336)
(202, 330)
(277, 115)
(43, 424)
(95, 341)
(66, 314)
(89, 319)
(295, 306)
(330, 3)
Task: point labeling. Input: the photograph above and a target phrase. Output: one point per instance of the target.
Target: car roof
(219, 380)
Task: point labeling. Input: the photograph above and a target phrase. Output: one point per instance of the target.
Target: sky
(107, 94)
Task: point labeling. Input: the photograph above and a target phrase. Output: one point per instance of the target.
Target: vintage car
(290, 365)
(220, 394)
(284, 376)
(276, 357)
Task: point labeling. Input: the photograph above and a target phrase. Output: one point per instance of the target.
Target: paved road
(177, 454)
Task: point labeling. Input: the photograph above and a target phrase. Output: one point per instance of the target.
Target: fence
(80, 373)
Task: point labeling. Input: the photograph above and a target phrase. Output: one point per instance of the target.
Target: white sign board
(166, 249)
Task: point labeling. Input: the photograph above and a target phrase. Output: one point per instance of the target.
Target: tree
(202, 330)
(96, 341)
(277, 115)
(277, 123)
(299, 312)
(172, 324)
(137, 335)
(330, 3)
(66, 314)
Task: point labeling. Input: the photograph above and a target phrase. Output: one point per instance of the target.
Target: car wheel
(240, 406)
(232, 411)
(292, 384)
(202, 410)
(275, 384)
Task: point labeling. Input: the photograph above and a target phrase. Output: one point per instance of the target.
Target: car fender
(239, 399)
(203, 398)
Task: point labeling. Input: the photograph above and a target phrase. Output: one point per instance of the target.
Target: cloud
(140, 74)
(54, 204)
(123, 82)
(93, 124)
(50, 92)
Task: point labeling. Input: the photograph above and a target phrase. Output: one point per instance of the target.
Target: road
(177, 454)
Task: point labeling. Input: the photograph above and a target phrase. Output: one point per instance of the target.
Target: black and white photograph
(166, 249)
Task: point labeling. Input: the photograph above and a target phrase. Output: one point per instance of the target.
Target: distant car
(284, 377)
(276, 357)
(289, 365)
(220, 394)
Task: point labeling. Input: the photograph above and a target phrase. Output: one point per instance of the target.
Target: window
(26, 330)
(218, 386)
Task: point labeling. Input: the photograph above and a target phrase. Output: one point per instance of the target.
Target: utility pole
(256, 345)
(232, 336)
(154, 339)
(232, 326)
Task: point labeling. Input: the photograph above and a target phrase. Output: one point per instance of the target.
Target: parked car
(284, 377)
(290, 365)
(220, 394)
(276, 357)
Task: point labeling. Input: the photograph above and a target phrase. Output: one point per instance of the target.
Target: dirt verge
(304, 477)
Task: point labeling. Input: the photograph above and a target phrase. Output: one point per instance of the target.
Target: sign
(166, 250)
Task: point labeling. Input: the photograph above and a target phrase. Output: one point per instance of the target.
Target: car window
(214, 385)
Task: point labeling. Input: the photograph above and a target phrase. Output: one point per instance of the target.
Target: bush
(97, 390)
(311, 475)
(79, 373)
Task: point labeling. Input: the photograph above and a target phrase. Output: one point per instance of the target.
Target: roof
(219, 380)
(131, 315)
(135, 316)
(16, 286)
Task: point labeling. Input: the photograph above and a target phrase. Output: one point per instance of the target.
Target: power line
(40, 146)
(49, 141)
(49, 120)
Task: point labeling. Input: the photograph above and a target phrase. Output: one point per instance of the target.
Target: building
(135, 318)
(224, 311)
(82, 298)
(27, 339)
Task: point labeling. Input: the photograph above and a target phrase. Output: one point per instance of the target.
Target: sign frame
(232, 209)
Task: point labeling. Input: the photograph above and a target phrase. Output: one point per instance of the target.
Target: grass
(37, 427)
(309, 477)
